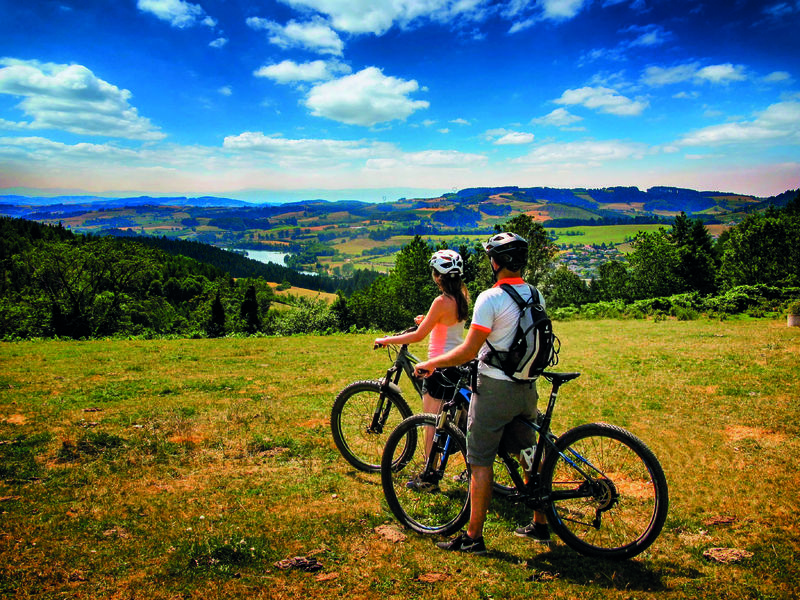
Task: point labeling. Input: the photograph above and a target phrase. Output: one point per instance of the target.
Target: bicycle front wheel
(607, 492)
(362, 417)
(427, 496)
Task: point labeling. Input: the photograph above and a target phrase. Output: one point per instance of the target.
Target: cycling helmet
(508, 250)
(447, 262)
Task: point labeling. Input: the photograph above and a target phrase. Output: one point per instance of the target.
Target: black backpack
(534, 348)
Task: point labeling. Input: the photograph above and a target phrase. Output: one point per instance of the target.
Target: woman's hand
(380, 342)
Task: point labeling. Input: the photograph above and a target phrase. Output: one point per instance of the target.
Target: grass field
(188, 468)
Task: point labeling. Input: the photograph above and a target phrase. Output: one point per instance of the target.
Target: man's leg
(480, 489)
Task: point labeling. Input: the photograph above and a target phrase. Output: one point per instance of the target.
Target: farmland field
(189, 468)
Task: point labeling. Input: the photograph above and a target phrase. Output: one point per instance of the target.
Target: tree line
(58, 284)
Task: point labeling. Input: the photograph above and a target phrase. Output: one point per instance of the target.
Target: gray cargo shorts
(494, 406)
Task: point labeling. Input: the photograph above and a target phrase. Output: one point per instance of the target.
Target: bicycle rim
(427, 501)
(352, 420)
(607, 491)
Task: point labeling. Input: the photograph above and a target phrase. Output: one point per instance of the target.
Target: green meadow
(189, 468)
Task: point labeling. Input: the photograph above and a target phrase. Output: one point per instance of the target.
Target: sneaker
(464, 543)
(419, 484)
(538, 532)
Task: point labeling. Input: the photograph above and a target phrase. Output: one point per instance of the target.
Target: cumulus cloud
(219, 42)
(289, 71)
(560, 117)
(315, 35)
(177, 13)
(778, 122)
(604, 100)
(71, 98)
(365, 98)
(655, 76)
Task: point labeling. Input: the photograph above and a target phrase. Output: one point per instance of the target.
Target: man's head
(508, 251)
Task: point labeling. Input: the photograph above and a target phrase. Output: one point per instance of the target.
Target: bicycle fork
(382, 407)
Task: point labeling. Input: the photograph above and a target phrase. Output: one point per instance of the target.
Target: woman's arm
(436, 313)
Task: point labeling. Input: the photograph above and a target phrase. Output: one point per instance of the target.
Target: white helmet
(447, 262)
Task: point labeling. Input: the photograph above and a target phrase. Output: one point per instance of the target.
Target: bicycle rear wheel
(427, 500)
(362, 417)
(607, 491)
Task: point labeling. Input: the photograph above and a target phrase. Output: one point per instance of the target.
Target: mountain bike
(602, 489)
(366, 412)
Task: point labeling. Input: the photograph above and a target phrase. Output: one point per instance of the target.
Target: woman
(445, 324)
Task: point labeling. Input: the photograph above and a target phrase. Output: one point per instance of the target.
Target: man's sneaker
(538, 532)
(464, 543)
(419, 484)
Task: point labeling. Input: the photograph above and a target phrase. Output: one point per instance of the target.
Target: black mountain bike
(602, 489)
(366, 412)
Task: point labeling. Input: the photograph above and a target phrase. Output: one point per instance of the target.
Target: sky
(283, 100)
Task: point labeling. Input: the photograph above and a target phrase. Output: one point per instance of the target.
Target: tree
(763, 249)
(612, 283)
(215, 326)
(411, 278)
(249, 311)
(653, 264)
(563, 287)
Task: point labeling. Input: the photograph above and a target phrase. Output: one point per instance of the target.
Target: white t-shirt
(496, 312)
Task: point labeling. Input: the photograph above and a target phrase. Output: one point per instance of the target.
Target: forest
(57, 284)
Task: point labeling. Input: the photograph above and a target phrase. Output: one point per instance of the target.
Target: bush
(794, 308)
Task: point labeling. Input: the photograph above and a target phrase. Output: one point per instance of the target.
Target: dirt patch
(15, 420)
(737, 433)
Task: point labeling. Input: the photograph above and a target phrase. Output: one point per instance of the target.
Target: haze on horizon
(378, 99)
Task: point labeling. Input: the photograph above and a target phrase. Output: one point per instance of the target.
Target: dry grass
(188, 468)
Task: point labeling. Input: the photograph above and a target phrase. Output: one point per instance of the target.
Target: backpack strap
(492, 358)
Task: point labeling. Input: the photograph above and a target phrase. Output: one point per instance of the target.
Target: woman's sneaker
(538, 532)
(464, 543)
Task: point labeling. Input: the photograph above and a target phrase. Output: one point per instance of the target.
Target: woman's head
(447, 267)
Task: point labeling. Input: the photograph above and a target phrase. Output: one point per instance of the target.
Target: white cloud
(364, 98)
(604, 100)
(289, 71)
(378, 16)
(778, 122)
(560, 117)
(300, 152)
(443, 130)
(429, 158)
(315, 35)
(177, 13)
(588, 153)
(558, 10)
(219, 42)
(71, 98)
(722, 74)
(777, 76)
(514, 138)
(459, 121)
(225, 90)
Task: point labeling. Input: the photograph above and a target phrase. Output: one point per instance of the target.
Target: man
(498, 398)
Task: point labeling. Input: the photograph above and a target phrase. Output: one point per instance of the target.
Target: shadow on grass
(563, 563)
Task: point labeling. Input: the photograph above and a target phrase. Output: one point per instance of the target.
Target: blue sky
(372, 99)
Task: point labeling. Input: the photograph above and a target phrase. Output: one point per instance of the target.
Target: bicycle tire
(620, 510)
(351, 418)
(443, 510)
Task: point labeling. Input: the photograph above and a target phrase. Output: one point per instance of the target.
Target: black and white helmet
(508, 250)
(447, 262)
